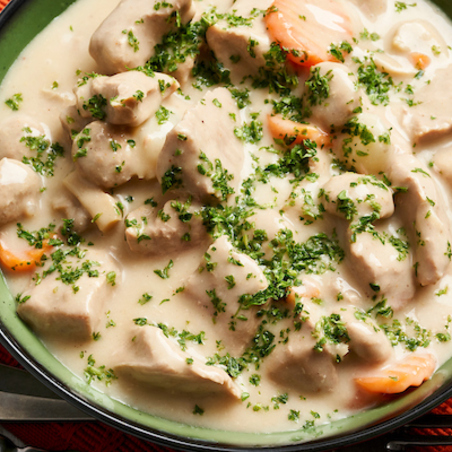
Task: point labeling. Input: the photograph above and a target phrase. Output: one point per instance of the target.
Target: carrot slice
(22, 261)
(307, 28)
(393, 379)
(420, 60)
(295, 133)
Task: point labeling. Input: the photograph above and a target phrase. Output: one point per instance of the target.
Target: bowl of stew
(226, 225)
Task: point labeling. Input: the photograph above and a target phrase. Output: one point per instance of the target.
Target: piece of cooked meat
(222, 288)
(128, 98)
(175, 227)
(127, 37)
(156, 360)
(19, 191)
(70, 310)
(202, 156)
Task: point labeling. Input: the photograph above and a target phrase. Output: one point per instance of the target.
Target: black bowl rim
(164, 439)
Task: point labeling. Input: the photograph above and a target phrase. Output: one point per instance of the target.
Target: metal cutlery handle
(23, 398)
(21, 408)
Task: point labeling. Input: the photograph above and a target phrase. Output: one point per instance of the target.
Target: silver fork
(23, 398)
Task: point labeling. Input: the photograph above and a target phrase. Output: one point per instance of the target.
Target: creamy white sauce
(55, 55)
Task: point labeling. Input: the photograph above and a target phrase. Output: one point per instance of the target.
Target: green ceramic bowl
(20, 22)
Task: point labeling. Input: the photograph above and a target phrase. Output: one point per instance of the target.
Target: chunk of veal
(69, 207)
(307, 363)
(343, 96)
(422, 207)
(443, 165)
(156, 360)
(71, 120)
(100, 205)
(128, 98)
(106, 156)
(184, 70)
(16, 132)
(296, 365)
(223, 289)
(240, 40)
(175, 227)
(431, 116)
(367, 341)
(70, 310)
(381, 268)
(351, 196)
(126, 38)
(201, 155)
(19, 190)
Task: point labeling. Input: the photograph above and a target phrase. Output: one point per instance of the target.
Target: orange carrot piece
(307, 28)
(285, 129)
(394, 379)
(420, 60)
(22, 261)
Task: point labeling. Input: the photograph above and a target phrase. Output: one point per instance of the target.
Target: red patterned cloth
(98, 437)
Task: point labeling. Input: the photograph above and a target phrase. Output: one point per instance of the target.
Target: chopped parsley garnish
(338, 50)
(217, 303)
(402, 247)
(171, 179)
(100, 373)
(162, 115)
(164, 274)
(82, 138)
(241, 96)
(132, 40)
(377, 84)
(146, 298)
(250, 133)
(198, 410)
(36, 238)
(46, 153)
(280, 399)
(163, 4)
(220, 176)
(372, 36)
(318, 87)
(412, 335)
(96, 106)
(400, 6)
(330, 330)
(111, 278)
(14, 101)
(20, 299)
